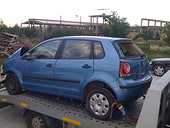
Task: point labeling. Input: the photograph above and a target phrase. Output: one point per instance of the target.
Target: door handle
(49, 65)
(86, 66)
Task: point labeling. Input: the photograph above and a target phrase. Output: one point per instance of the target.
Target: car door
(73, 67)
(40, 66)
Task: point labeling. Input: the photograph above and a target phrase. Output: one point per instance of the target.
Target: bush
(166, 31)
(148, 35)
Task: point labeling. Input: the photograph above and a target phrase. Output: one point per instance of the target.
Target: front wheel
(12, 84)
(99, 102)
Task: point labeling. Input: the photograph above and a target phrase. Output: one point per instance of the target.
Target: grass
(154, 53)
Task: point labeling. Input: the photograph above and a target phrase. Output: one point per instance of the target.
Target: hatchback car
(99, 71)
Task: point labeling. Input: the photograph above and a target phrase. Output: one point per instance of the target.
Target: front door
(40, 66)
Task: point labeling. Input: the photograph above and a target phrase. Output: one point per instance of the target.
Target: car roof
(96, 38)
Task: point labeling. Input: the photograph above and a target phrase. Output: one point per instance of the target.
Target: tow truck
(45, 111)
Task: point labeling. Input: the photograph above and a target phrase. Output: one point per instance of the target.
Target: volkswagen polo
(99, 71)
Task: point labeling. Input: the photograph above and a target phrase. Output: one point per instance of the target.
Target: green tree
(3, 27)
(15, 30)
(116, 26)
(29, 32)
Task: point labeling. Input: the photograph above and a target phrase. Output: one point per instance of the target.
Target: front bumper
(2, 75)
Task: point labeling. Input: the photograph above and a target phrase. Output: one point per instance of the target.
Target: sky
(17, 11)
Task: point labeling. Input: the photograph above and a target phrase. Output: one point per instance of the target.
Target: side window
(77, 49)
(46, 50)
(98, 50)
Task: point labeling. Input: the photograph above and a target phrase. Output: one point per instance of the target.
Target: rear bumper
(126, 84)
(132, 90)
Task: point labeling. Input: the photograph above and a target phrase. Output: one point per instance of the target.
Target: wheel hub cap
(99, 104)
(159, 70)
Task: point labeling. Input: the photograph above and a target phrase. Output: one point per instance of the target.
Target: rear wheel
(159, 70)
(12, 84)
(99, 102)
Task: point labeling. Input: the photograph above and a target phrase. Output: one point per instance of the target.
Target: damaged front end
(2, 76)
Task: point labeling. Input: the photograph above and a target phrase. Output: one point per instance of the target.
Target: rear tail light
(124, 69)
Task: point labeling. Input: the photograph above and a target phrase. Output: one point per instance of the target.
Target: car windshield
(128, 49)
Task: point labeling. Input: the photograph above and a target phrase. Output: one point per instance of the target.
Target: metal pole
(148, 22)
(80, 20)
(97, 29)
(60, 19)
(155, 23)
(141, 24)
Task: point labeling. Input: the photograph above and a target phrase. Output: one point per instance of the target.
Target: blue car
(99, 71)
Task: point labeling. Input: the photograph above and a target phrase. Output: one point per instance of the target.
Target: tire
(12, 84)
(36, 120)
(107, 98)
(159, 70)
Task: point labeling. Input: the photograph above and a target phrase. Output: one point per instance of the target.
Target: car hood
(161, 59)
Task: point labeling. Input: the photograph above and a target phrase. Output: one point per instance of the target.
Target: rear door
(73, 67)
(129, 52)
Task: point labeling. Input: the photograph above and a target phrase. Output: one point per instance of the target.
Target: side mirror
(24, 50)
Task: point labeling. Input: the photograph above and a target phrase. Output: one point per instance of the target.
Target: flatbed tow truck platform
(67, 113)
(70, 112)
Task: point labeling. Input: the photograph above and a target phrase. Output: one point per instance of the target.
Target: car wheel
(12, 84)
(99, 102)
(159, 70)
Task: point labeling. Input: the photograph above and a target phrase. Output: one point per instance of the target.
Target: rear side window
(77, 49)
(128, 49)
(98, 50)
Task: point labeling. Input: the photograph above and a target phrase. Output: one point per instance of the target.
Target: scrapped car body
(160, 66)
(99, 71)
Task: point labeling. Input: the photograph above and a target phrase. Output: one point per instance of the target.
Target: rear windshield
(128, 49)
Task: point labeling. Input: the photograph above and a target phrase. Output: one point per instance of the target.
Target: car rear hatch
(134, 57)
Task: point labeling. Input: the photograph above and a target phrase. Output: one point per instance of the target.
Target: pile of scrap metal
(8, 44)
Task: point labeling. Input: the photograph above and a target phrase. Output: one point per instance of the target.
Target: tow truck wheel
(35, 120)
(99, 103)
(12, 84)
